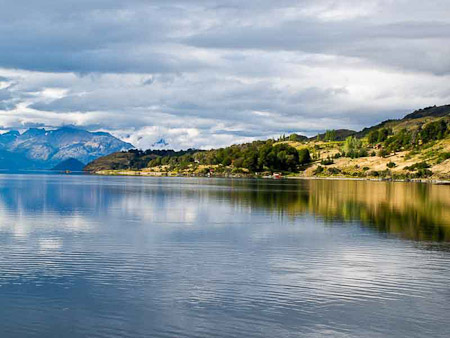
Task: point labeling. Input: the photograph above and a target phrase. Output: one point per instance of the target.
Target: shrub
(334, 171)
(391, 165)
(319, 170)
(383, 153)
(443, 157)
(422, 173)
(418, 166)
(327, 161)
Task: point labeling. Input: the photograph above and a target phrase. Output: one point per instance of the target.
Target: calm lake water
(87, 256)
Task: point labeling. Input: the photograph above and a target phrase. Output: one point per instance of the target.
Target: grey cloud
(215, 72)
(143, 36)
(389, 44)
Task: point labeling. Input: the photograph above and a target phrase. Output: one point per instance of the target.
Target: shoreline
(343, 178)
(337, 178)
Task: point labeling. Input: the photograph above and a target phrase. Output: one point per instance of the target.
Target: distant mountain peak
(160, 143)
(34, 132)
(43, 149)
(12, 133)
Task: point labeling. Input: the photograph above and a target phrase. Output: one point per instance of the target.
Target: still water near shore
(178, 257)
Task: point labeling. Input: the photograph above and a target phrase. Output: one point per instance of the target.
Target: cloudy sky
(205, 73)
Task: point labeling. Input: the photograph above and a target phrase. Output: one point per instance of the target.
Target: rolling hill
(71, 164)
(414, 147)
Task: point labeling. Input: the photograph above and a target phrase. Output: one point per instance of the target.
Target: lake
(92, 256)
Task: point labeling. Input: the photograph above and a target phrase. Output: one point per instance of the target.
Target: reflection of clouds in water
(22, 225)
(152, 209)
(217, 256)
(174, 208)
(50, 245)
(387, 207)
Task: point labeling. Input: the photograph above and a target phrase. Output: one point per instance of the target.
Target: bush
(383, 153)
(443, 157)
(423, 173)
(327, 161)
(391, 165)
(319, 170)
(334, 171)
(418, 166)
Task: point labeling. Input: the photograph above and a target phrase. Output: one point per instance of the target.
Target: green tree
(383, 134)
(353, 147)
(434, 131)
(373, 137)
(330, 135)
(304, 156)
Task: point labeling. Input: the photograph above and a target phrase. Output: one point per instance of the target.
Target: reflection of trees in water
(414, 211)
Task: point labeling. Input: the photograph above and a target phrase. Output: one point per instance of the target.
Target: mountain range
(38, 148)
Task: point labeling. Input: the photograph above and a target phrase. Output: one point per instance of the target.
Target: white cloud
(202, 74)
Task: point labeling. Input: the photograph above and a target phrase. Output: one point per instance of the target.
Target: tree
(383, 134)
(373, 137)
(353, 147)
(226, 161)
(330, 135)
(304, 156)
(401, 140)
(287, 157)
(434, 131)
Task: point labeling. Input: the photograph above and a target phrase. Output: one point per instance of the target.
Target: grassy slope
(428, 153)
(117, 163)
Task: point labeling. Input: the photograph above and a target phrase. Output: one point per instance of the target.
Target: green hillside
(415, 147)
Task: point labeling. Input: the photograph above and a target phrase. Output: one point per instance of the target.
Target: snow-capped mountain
(43, 149)
(160, 144)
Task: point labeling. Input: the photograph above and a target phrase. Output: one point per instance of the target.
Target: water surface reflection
(411, 210)
(132, 257)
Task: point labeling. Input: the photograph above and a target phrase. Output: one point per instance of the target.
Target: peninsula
(416, 147)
